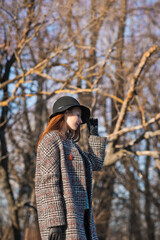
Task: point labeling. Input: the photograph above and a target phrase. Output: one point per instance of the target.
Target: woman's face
(73, 118)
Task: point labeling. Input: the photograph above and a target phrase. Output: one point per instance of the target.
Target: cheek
(69, 120)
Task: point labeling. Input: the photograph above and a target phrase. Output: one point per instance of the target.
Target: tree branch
(133, 81)
(114, 136)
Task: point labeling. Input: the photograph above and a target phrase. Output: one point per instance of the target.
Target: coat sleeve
(49, 196)
(96, 151)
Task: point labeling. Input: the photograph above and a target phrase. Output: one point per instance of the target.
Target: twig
(132, 129)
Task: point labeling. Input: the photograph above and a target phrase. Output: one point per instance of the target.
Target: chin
(73, 128)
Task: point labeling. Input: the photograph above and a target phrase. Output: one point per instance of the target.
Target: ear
(66, 113)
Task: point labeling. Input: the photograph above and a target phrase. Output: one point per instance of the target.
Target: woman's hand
(55, 233)
(92, 125)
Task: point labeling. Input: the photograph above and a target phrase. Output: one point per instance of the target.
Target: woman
(63, 181)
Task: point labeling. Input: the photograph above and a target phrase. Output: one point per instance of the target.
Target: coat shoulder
(51, 137)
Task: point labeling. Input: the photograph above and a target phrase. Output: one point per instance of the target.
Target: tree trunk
(13, 212)
(134, 213)
(148, 200)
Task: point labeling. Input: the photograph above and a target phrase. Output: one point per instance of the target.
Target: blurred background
(106, 53)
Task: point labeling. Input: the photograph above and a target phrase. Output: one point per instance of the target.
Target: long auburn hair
(56, 124)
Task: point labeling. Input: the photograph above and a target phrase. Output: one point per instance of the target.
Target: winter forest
(106, 53)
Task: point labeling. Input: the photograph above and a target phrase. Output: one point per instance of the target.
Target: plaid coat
(60, 184)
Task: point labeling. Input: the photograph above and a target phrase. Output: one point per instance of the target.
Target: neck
(66, 131)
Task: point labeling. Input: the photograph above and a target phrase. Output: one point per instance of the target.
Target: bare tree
(107, 54)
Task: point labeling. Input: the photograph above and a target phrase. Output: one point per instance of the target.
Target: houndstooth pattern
(60, 184)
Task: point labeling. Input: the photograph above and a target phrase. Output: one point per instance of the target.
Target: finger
(54, 236)
(95, 121)
(50, 237)
(59, 237)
